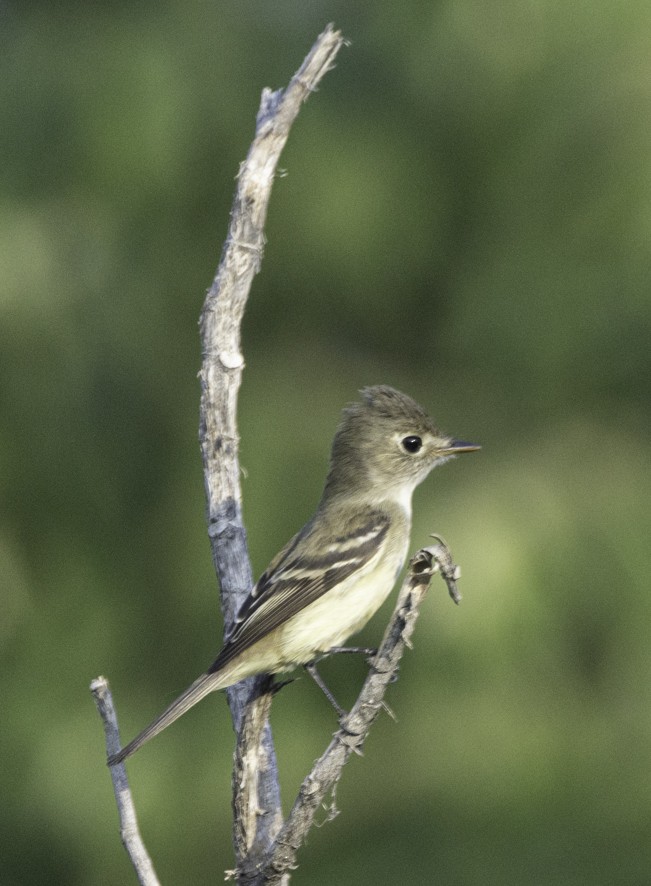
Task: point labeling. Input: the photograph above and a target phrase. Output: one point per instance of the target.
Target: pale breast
(341, 612)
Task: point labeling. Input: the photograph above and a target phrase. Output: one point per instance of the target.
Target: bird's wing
(298, 576)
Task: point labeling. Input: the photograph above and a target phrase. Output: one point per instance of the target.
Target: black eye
(412, 443)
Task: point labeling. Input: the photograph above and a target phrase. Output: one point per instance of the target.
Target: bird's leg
(310, 667)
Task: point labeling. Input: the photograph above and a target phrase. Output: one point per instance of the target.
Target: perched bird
(329, 580)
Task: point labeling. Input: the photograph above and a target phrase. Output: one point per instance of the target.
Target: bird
(333, 575)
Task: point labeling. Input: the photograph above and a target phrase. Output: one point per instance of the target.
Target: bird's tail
(199, 689)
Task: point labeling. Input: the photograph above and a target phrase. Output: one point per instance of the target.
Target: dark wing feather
(291, 582)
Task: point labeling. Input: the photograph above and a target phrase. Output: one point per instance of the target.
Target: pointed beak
(457, 446)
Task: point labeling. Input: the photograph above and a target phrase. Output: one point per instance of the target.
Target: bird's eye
(412, 443)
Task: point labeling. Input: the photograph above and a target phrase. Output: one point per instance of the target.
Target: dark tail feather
(203, 686)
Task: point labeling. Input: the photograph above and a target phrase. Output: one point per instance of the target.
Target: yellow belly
(339, 613)
(328, 621)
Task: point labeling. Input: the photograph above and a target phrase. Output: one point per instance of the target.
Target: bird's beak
(456, 446)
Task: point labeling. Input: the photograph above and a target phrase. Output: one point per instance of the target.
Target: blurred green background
(466, 215)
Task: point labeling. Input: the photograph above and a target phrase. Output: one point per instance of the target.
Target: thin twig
(255, 783)
(322, 780)
(129, 831)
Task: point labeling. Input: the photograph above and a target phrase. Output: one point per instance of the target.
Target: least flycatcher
(335, 574)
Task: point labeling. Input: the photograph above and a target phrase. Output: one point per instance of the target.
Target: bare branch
(255, 783)
(322, 780)
(129, 831)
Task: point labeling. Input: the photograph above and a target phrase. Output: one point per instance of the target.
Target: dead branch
(256, 795)
(129, 831)
(322, 780)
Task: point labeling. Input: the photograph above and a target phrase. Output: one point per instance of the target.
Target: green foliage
(466, 216)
